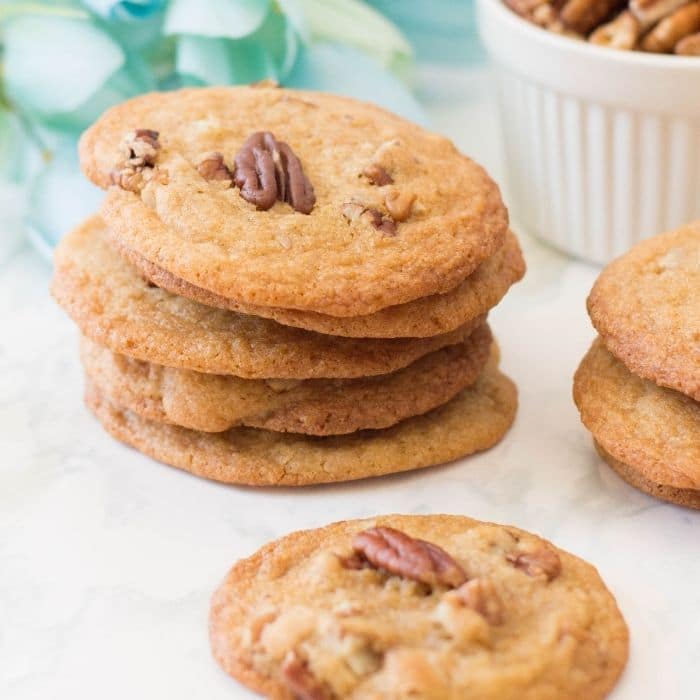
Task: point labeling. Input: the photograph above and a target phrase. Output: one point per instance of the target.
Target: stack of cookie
(638, 388)
(287, 287)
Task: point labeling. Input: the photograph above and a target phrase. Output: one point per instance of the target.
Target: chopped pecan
(480, 595)
(399, 204)
(541, 562)
(377, 175)
(295, 674)
(267, 170)
(402, 555)
(139, 149)
(353, 211)
(211, 166)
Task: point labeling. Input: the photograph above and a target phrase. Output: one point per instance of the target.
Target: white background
(108, 560)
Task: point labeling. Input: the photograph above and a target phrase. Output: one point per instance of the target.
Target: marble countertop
(107, 559)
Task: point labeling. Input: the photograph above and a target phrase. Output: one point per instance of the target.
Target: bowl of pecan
(601, 117)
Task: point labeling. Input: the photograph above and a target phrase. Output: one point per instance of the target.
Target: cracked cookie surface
(296, 620)
(434, 222)
(424, 317)
(646, 307)
(214, 403)
(652, 430)
(114, 306)
(475, 419)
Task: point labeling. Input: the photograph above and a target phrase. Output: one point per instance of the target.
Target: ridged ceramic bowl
(603, 146)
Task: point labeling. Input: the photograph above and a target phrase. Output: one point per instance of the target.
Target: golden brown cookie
(114, 306)
(398, 212)
(646, 307)
(213, 403)
(427, 316)
(476, 419)
(652, 430)
(418, 606)
(690, 498)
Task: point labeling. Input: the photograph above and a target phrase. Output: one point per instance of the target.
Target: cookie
(690, 498)
(652, 430)
(418, 606)
(646, 307)
(476, 419)
(309, 201)
(114, 306)
(214, 403)
(427, 316)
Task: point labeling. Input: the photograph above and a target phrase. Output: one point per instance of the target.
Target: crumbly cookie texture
(650, 428)
(646, 307)
(345, 611)
(368, 242)
(214, 403)
(476, 419)
(424, 317)
(690, 498)
(114, 306)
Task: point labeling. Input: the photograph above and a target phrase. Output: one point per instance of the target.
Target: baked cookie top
(114, 306)
(474, 420)
(435, 606)
(397, 212)
(650, 428)
(214, 402)
(431, 315)
(646, 307)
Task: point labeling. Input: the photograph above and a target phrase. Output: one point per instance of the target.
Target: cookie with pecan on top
(332, 206)
(401, 606)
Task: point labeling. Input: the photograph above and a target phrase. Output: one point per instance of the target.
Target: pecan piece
(211, 166)
(649, 12)
(139, 149)
(584, 15)
(377, 175)
(673, 28)
(690, 46)
(480, 595)
(620, 33)
(295, 674)
(267, 170)
(541, 562)
(402, 555)
(399, 204)
(353, 211)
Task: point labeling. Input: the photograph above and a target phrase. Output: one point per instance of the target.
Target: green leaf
(354, 23)
(54, 64)
(233, 19)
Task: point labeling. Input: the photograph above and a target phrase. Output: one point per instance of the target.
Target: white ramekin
(603, 146)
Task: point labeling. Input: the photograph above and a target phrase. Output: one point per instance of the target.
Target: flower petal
(125, 9)
(354, 23)
(54, 64)
(215, 18)
(343, 70)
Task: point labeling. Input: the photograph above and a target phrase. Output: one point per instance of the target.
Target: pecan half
(139, 149)
(295, 674)
(211, 166)
(542, 562)
(377, 175)
(480, 595)
(584, 15)
(267, 170)
(673, 28)
(690, 46)
(620, 33)
(649, 12)
(402, 555)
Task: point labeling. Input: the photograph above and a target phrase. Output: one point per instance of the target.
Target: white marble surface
(107, 559)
